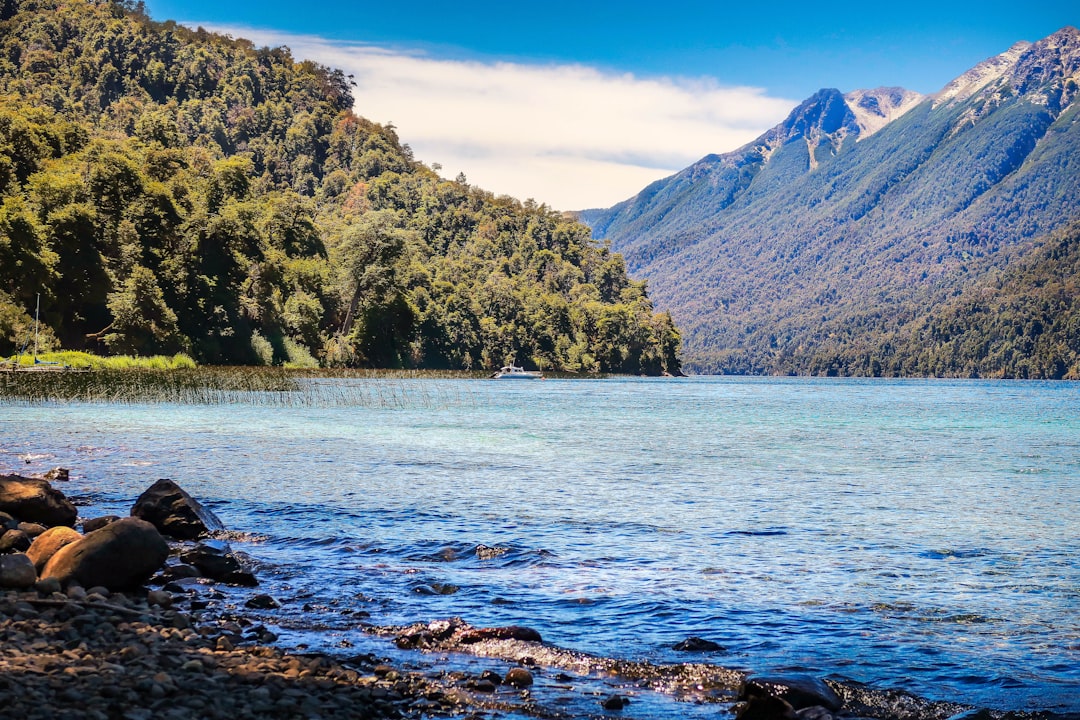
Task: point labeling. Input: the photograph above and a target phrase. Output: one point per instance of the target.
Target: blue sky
(735, 67)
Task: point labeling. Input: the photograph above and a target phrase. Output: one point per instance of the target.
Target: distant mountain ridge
(831, 233)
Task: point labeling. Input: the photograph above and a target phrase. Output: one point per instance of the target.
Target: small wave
(949, 554)
(764, 532)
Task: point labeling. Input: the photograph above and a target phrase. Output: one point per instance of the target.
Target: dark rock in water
(33, 500)
(174, 512)
(16, 571)
(518, 677)
(262, 602)
(49, 542)
(696, 644)
(429, 635)
(483, 552)
(817, 713)
(470, 636)
(800, 691)
(214, 561)
(119, 556)
(58, 474)
(179, 571)
(615, 702)
(14, 541)
(766, 707)
(93, 524)
(436, 589)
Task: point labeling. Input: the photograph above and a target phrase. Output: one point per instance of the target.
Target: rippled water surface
(912, 534)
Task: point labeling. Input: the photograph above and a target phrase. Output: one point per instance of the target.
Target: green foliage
(78, 359)
(169, 190)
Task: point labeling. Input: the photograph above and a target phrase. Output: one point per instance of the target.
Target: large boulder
(798, 690)
(16, 571)
(119, 556)
(213, 560)
(173, 512)
(49, 542)
(33, 500)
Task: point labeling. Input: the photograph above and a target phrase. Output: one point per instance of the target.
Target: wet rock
(510, 632)
(14, 541)
(59, 474)
(173, 512)
(696, 644)
(614, 702)
(800, 691)
(816, 713)
(766, 707)
(518, 677)
(436, 589)
(33, 500)
(93, 524)
(429, 635)
(483, 552)
(16, 571)
(262, 602)
(214, 561)
(179, 571)
(119, 556)
(49, 542)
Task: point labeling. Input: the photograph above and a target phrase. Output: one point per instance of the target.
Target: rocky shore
(82, 635)
(100, 655)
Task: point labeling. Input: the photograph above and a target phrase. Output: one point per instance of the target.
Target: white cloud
(568, 135)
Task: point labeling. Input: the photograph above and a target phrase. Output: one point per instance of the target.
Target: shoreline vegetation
(81, 636)
(255, 385)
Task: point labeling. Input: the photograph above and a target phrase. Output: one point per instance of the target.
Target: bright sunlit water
(920, 535)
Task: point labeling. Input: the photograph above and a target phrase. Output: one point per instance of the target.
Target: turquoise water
(920, 535)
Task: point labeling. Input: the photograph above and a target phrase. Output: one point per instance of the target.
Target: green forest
(1020, 321)
(168, 190)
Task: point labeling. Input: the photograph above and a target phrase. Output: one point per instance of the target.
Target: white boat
(513, 372)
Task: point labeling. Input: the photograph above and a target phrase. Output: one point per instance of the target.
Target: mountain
(820, 246)
(173, 190)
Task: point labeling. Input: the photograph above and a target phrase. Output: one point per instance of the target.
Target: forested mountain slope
(174, 190)
(830, 235)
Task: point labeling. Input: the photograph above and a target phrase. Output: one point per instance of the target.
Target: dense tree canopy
(168, 190)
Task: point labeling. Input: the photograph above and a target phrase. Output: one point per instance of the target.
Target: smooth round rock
(119, 556)
(49, 542)
(518, 677)
(17, 571)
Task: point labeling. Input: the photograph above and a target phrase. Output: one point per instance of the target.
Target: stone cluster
(96, 654)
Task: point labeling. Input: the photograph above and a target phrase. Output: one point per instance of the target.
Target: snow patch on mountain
(874, 109)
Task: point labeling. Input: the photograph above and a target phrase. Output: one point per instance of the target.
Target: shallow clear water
(911, 534)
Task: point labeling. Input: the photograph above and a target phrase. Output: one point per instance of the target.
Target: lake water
(920, 535)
